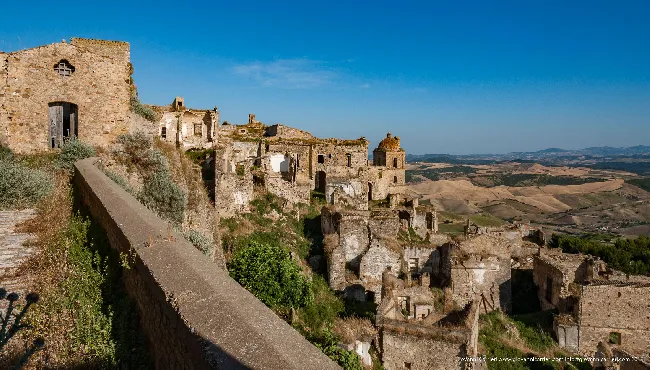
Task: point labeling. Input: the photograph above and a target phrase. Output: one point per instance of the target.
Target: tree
(271, 275)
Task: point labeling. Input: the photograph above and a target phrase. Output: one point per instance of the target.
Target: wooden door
(56, 125)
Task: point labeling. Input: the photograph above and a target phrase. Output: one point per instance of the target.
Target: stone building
(292, 163)
(360, 245)
(595, 303)
(188, 128)
(478, 269)
(416, 332)
(63, 90)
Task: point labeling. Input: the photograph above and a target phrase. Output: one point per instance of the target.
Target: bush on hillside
(160, 194)
(5, 153)
(199, 241)
(72, 151)
(142, 110)
(271, 275)
(21, 186)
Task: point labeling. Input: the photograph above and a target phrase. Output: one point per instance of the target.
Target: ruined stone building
(361, 245)
(187, 127)
(292, 163)
(595, 304)
(417, 333)
(64, 90)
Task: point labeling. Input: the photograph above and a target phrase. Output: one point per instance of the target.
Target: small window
(321, 158)
(395, 162)
(197, 129)
(297, 160)
(395, 179)
(329, 156)
(163, 132)
(407, 365)
(349, 159)
(615, 338)
(64, 68)
(380, 174)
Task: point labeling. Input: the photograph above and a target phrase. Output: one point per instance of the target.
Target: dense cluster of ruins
(382, 243)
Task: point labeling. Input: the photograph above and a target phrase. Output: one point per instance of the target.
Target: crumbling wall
(4, 128)
(286, 132)
(233, 181)
(610, 307)
(425, 259)
(99, 86)
(374, 262)
(400, 351)
(351, 193)
(484, 279)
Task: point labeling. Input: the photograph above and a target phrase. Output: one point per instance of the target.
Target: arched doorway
(369, 191)
(63, 122)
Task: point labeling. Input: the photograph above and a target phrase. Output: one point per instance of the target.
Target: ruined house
(360, 245)
(292, 163)
(187, 127)
(54, 92)
(416, 332)
(595, 304)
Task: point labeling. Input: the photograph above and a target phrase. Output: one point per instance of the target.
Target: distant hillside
(634, 159)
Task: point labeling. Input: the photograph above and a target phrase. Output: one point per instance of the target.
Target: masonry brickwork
(92, 76)
(595, 303)
(415, 334)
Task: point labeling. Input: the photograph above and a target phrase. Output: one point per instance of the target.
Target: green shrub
(72, 151)
(328, 342)
(199, 241)
(119, 180)
(21, 186)
(160, 194)
(141, 110)
(6, 153)
(105, 327)
(137, 151)
(271, 275)
(325, 308)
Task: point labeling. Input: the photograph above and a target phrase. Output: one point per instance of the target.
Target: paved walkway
(12, 251)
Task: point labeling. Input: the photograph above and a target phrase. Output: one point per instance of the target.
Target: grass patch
(486, 220)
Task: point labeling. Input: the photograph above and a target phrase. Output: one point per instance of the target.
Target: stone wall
(99, 86)
(401, 351)
(193, 314)
(615, 307)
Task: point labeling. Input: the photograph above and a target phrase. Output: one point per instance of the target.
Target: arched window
(395, 179)
(64, 68)
(395, 162)
(349, 159)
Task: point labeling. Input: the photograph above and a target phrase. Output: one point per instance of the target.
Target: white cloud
(288, 73)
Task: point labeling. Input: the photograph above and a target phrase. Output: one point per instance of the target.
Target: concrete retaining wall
(193, 314)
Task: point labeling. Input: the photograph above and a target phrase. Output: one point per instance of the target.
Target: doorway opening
(63, 122)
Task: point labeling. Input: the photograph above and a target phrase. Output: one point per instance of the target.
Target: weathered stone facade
(414, 334)
(595, 304)
(47, 93)
(188, 128)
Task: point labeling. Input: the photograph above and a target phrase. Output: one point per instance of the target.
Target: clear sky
(457, 77)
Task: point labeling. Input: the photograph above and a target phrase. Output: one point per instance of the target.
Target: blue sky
(447, 77)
